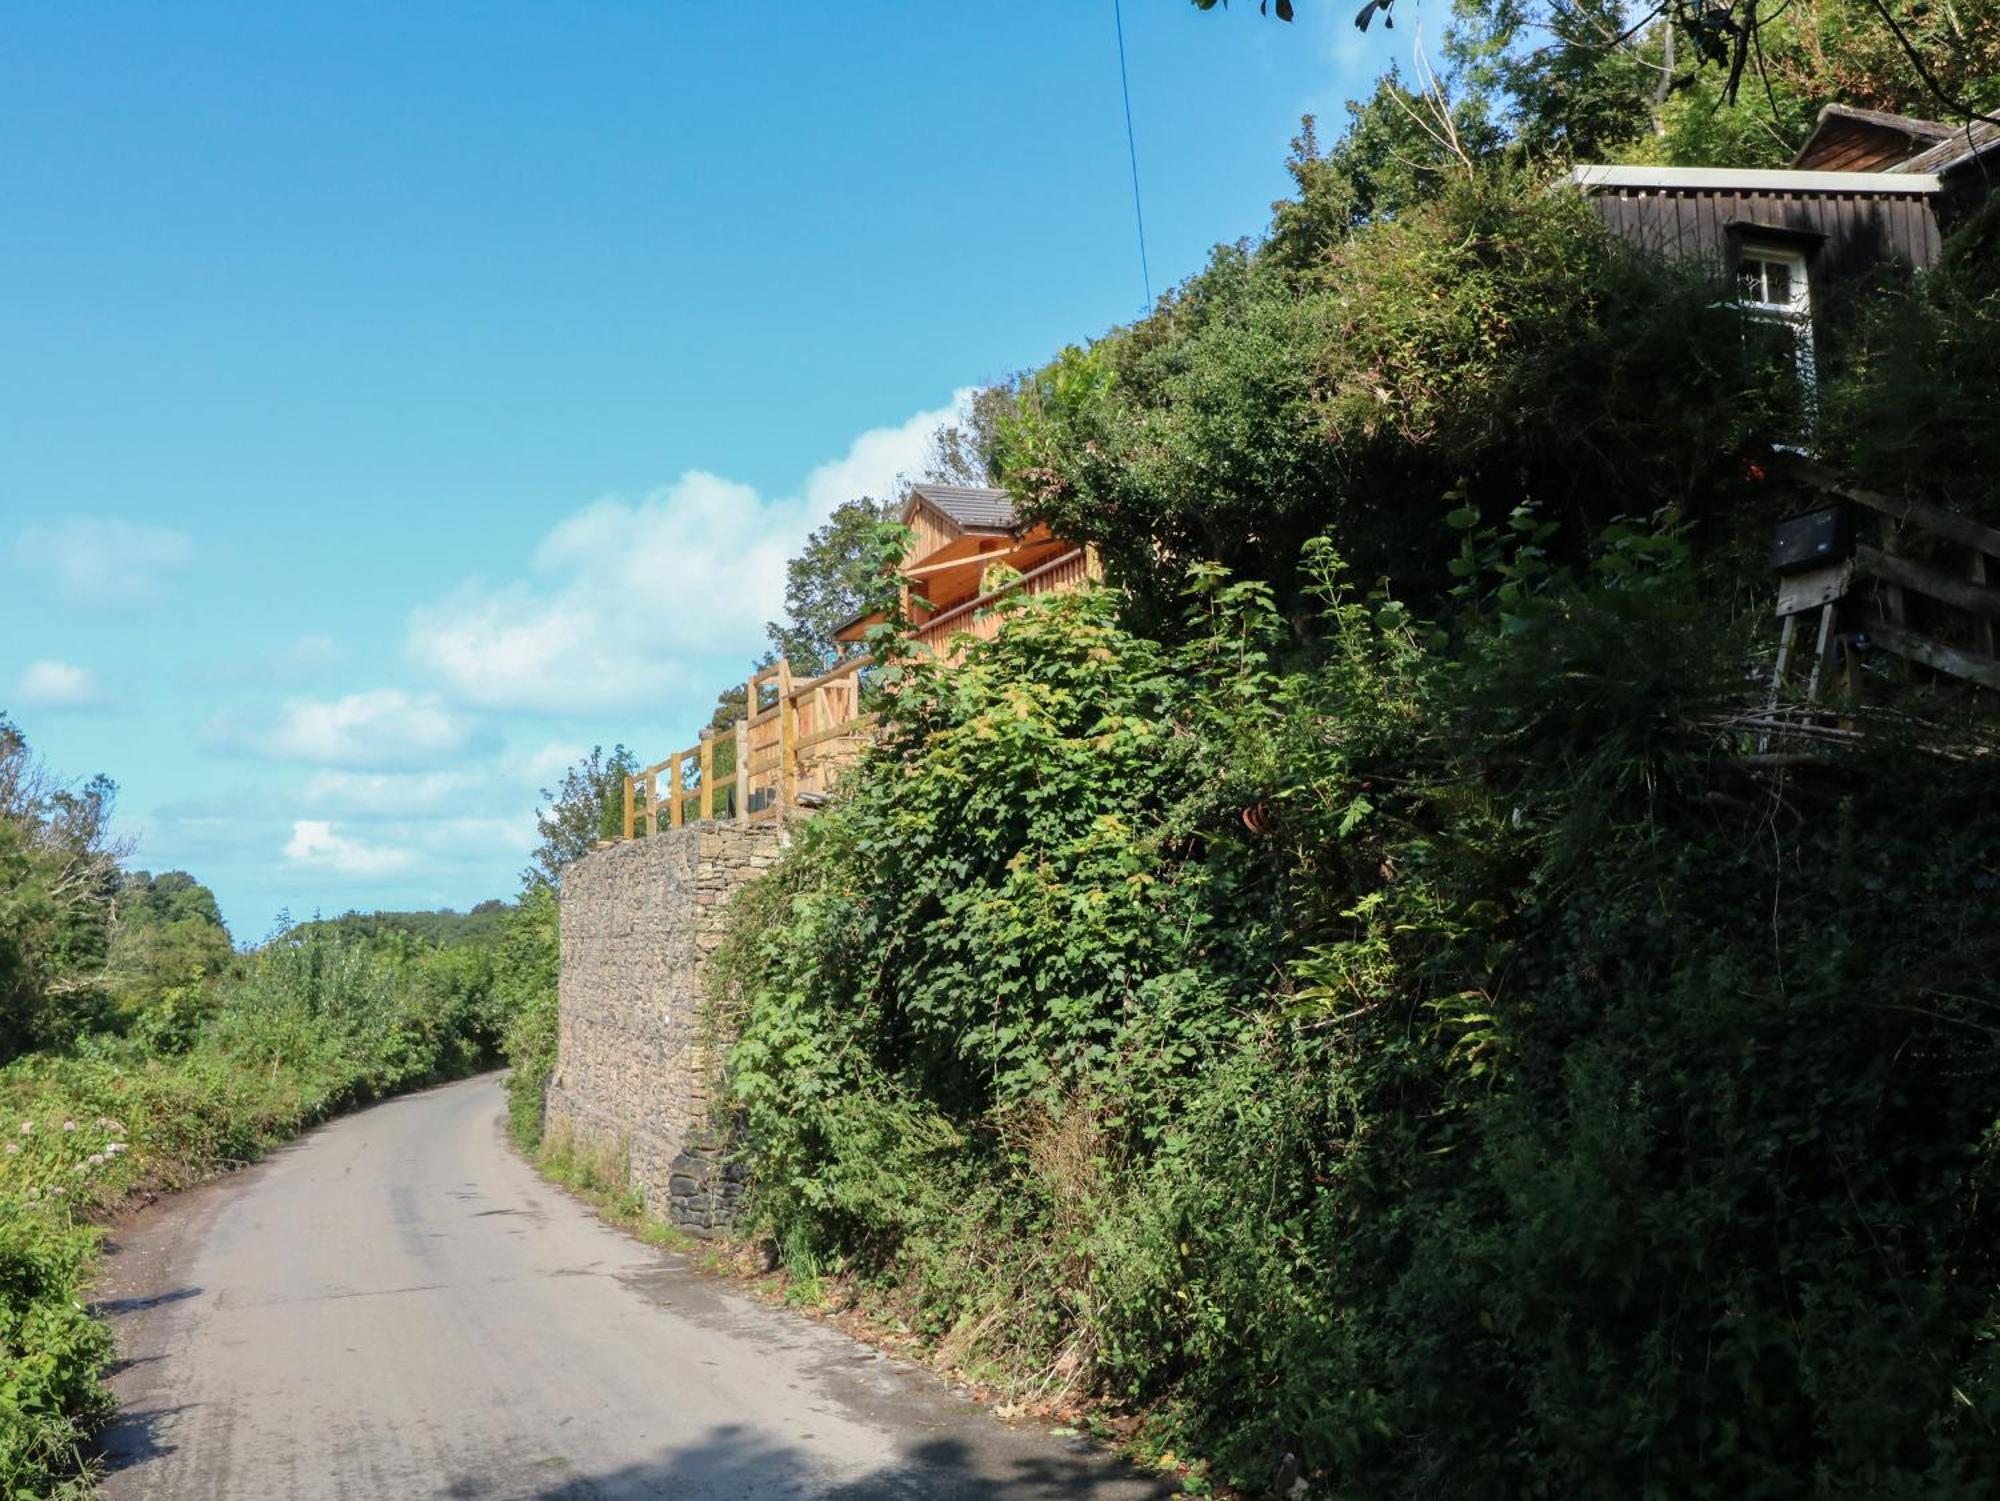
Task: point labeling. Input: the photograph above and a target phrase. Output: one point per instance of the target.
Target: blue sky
(398, 400)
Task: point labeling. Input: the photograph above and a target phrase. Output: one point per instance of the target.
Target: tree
(58, 874)
(1604, 70)
(166, 931)
(587, 806)
(963, 452)
(827, 585)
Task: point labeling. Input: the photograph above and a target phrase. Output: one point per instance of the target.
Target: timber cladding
(638, 920)
(1850, 231)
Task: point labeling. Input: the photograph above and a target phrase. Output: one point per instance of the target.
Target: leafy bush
(1495, 345)
(527, 990)
(1429, 1056)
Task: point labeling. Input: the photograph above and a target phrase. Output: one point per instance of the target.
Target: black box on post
(1812, 539)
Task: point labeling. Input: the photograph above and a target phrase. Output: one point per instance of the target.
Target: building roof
(972, 506)
(1750, 180)
(1846, 139)
(1963, 145)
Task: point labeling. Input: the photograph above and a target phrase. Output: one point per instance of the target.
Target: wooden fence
(791, 743)
(795, 736)
(1922, 591)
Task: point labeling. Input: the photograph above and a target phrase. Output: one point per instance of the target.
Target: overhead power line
(1132, 149)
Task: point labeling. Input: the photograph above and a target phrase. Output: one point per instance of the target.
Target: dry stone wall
(632, 1070)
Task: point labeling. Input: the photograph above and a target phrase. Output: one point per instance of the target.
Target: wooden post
(1986, 637)
(740, 788)
(787, 736)
(674, 790)
(750, 712)
(1896, 608)
(1822, 652)
(707, 775)
(628, 806)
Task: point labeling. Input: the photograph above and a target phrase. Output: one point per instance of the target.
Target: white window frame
(1795, 312)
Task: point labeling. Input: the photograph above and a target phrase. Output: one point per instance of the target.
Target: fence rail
(795, 736)
(792, 740)
(976, 617)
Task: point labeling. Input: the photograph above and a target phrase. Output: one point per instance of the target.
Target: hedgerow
(1435, 1062)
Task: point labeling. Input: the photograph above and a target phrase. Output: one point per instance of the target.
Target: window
(1772, 287)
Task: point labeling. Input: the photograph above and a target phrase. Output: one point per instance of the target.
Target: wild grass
(599, 1173)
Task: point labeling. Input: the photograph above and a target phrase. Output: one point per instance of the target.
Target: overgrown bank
(1391, 1016)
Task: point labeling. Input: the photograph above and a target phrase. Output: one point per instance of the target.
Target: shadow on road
(135, 1437)
(108, 1306)
(735, 1464)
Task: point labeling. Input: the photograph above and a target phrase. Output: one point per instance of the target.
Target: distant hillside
(481, 926)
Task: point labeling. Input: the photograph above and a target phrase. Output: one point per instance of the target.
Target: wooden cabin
(968, 551)
(1866, 189)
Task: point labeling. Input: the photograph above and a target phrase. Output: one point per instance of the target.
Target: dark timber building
(1866, 189)
(1867, 193)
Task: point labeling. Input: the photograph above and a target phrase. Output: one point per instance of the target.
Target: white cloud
(325, 846)
(381, 729)
(880, 459)
(104, 563)
(386, 794)
(57, 685)
(628, 596)
(307, 657)
(317, 844)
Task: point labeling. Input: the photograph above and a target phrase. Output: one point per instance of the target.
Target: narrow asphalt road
(396, 1307)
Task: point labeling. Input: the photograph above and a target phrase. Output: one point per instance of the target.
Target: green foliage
(58, 880)
(1495, 343)
(482, 927)
(1903, 409)
(1368, 1056)
(827, 585)
(587, 806)
(1600, 82)
(526, 986)
(1373, 1015)
(166, 941)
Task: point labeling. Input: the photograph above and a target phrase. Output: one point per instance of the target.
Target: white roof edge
(1754, 180)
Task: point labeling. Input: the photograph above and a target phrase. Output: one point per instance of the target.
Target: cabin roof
(1753, 180)
(972, 507)
(1960, 148)
(1847, 139)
